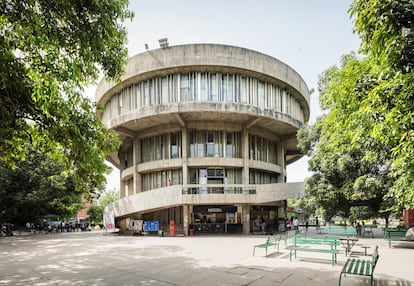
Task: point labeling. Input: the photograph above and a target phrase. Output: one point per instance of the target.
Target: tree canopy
(97, 209)
(49, 51)
(36, 187)
(362, 149)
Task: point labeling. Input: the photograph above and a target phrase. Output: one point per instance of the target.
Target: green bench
(396, 235)
(288, 236)
(342, 231)
(329, 241)
(360, 267)
(271, 241)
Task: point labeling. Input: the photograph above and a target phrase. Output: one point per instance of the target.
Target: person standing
(288, 224)
(28, 228)
(296, 224)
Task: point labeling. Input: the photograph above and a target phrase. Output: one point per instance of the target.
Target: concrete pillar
(137, 160)
(246, 218)
(122, 189)
(184, 147)
(186, 219)
(281, 161)
(245, 154)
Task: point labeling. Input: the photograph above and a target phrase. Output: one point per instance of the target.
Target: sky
(309, 36)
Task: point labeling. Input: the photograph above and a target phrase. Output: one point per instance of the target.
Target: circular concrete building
(207, 132)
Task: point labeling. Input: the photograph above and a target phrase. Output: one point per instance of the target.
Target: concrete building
(207, 131)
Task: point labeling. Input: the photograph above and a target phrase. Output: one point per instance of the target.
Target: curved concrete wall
(210, 57)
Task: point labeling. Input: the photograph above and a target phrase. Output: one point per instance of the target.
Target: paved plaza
(97, 258)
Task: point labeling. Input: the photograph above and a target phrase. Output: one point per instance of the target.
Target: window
(262, 149)
(212, 96)
(184, 87)
(243, 90)
(261, 94)
(210, 144)
(203, 86)
(119, 103)
(161, 147)
(164, 90)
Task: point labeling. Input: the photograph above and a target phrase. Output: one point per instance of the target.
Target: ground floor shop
(205, 219)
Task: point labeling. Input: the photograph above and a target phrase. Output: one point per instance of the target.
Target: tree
(96, 210)
(362, 149)
(351, 168)
(36, 187)
(49, 51)
(387, 31)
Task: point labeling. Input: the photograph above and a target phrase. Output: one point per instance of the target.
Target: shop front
(265, 219)
(216, 219)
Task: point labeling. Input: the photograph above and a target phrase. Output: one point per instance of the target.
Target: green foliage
(386, 29)
(96, 210)
(362, 149)
(36, 187)
(49, 51)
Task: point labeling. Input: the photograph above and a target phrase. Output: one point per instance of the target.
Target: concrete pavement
(97, 258)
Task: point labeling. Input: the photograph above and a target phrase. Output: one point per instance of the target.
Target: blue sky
(309, 36)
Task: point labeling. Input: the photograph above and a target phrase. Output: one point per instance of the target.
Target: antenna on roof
(163, 43)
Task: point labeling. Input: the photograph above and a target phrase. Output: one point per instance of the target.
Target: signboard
(151, 225)
(109, 220)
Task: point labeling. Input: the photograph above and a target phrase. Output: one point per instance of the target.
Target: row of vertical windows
(160, 179)
(214, 144)
(261, 149)
(205, 176)
(207, 143)
(203, 86)
(257, 177)
(161, 147)
(214, 176)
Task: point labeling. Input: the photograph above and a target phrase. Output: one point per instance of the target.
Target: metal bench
(329, 241)
(360, 267)
(271, 241)
(288, 236)
(396, 235)
(343, 231)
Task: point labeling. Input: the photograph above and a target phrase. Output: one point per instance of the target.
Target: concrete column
(245, 154)
(122, 189)
(246, 218)
(186, 219)
(281, 161)
(137, 159)
(184, 147)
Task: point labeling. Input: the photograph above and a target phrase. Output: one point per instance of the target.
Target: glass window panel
(210, 143)
(229, 145)
(184, 87)
(151, 84)
(201, 141)
(174, 146)
(164, 90)
(243, 90)
(218, 144)
(261, 94)
(212, 88)
(203, 87)
(224, 86)
(230, 89)
(193, 86)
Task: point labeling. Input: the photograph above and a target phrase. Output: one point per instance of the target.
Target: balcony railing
(217, 189)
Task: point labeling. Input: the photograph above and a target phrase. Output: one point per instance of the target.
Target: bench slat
(360, 267)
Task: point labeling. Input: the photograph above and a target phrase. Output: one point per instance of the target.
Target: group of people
(62, 226)
(292, 223)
